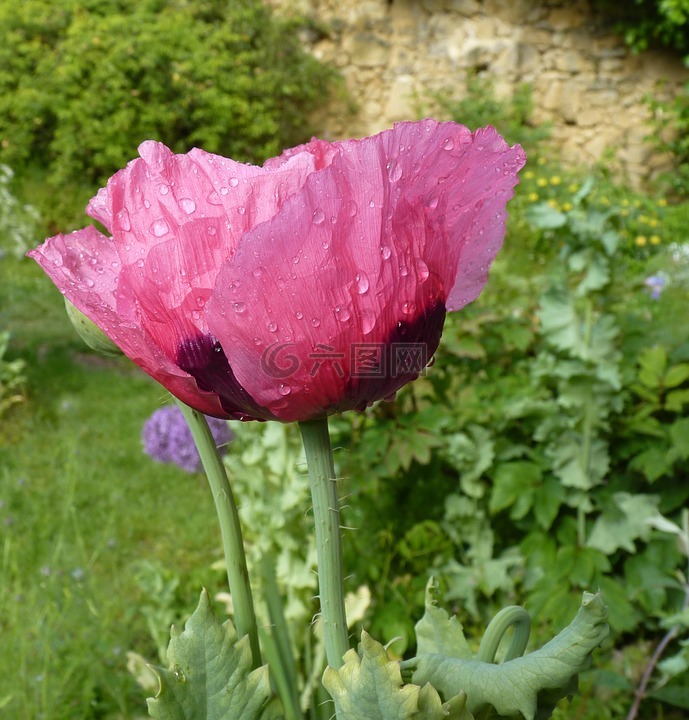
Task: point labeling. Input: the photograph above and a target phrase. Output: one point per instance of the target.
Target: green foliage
(210, 674)
(12, 377)
(82, 84)
(18, 221)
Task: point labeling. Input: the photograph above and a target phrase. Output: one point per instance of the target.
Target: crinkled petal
(369, 255)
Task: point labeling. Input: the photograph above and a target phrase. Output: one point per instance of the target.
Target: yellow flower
(640, 240)
(653, 222)
(604, 201)
(655, 239)
(553, 204)
(555, 180)
(541, 182)
(567, 206)
(528, 174)
(573, 187)
(625, 202)
(533, 197)
(662, 202)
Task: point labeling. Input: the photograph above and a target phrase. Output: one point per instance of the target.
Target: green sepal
(529, 685)
(210, 676)
(369, 685)
(90, 333)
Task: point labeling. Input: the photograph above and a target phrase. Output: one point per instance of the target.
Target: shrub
(82, 84)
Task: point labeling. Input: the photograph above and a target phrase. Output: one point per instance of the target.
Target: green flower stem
(230, 529)
(326, 510)
(510, 616)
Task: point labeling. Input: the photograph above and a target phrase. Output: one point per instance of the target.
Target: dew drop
(433, 204)
(284, 389)
(123, 217)
(408, 307)
(295, 260)
(448, 144)
(139, 263)
(325, 245)
(422, 271)
(315, 322)
(273, 327)
(239, 307)
(164, 189)
(188, 205)
(212, 230)
(159, 228)
(257, 272)
(299, 315)
(341, 313)
(404, 270)
(372, 204)
(368, 321)
(318, 216)
(214, 199)
(147, 204)
(233, 182)
(241, 210)
(224, 190)
(362, 283)
(353, 209)
(385, 252)
(394, 171)
(89, 282)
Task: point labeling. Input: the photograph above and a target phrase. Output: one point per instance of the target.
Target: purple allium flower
(656, 284)
(167, 438)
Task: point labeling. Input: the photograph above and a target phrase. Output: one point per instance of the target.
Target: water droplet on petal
(404, 270)
(385, 252)
(394, 171)
(341, 313)
(408, 307)
(315, 322)
(433, 204)
(212, 230)
(233, 182)
(159, 228)
(89, 282)
(299, 315)
(123, 217)
(214, 199)
(239, 307)
(422, 271)
(257, 272)
(295, 260)
(188, 205)
(368, 321)
(325, 245)
(164, 189)
(362, 283)
(273, 327)
(448, 144)
(139, 263)
(241, 209)
(318, 216)
(372, 204)
(353, 209)
(147, 204)
(284, 389)
(224, 190)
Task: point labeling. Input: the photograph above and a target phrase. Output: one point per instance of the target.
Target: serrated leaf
(369, 685)
(652, 362)
(437, 632)
(210, 675)
(676, 375)
(524, 685)
(619, 525)
(679, 433)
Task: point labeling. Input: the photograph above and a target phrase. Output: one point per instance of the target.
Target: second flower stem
(230, 529)
(326, 510)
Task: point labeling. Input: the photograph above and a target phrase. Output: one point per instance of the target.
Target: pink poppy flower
(314, 284)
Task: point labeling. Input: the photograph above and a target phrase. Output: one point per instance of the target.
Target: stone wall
(585, 82)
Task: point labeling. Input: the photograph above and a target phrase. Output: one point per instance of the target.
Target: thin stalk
(230, 529)
(326, 510)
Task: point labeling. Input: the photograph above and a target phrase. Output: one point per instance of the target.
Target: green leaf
(652, 362)
(437, 632)
(676, 375)
(369, 685)
(517, 686)
(679, 433)
(545, 217)
(210, 675)
(625, 521)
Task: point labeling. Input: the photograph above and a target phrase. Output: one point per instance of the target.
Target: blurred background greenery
(545, 452)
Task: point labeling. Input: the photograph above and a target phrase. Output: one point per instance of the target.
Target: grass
(80, 506)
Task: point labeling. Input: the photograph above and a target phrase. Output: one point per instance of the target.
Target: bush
(82, 84)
